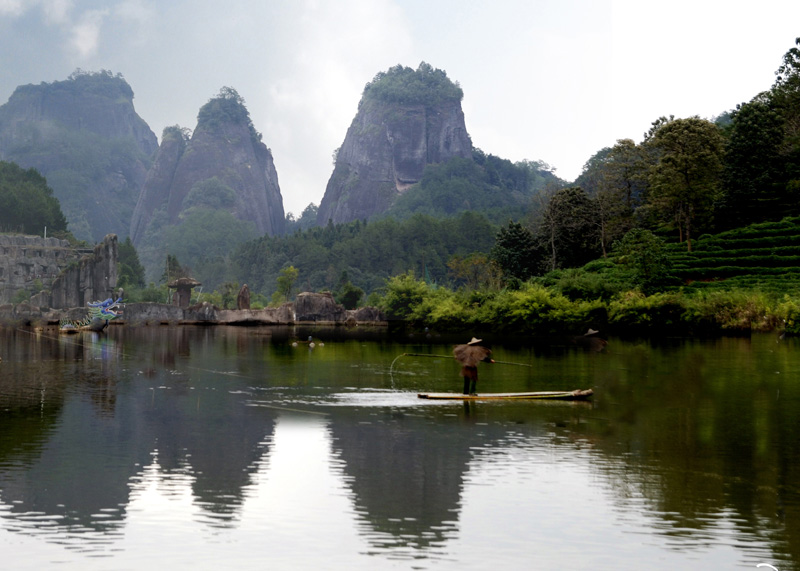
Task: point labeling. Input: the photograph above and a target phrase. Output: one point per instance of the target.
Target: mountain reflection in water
(209, 447)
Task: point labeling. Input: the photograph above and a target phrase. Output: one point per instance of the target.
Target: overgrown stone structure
(93, 278)
(29, 263)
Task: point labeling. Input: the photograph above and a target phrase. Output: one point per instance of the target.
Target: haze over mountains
(99, 155)
(84, 135)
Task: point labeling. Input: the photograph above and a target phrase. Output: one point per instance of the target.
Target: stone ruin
(68, 276)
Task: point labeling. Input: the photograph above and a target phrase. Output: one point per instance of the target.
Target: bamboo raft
(577, 394)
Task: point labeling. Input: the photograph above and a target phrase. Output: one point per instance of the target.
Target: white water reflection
(279, 523)
(526, 503)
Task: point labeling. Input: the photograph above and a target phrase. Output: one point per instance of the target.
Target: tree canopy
(27, 203)
(226, 107)
(368, 252)
(685, 180)
(424, 86)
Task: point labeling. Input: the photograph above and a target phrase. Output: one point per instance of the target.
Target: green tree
(173, 270)
(785, 97)
(404, 293)
(229, 291)
(565, 229)
(307, 219)
(204, 239)
(427, 86)
(285, 284)
(227, 106)
(27, 203)
(475, 271)
(753, 179)
(685, 181)
(131, 271)
(346, 293)
(210, 193)
(515, 251)
(644, 254)
(620, 188)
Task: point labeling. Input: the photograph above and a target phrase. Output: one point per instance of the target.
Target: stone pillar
(243, 299)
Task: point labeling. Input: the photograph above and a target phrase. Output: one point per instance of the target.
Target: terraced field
(764, 256)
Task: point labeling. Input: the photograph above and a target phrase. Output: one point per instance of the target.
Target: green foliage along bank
(538, 310)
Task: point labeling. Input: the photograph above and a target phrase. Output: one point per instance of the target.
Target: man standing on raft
(469, 356)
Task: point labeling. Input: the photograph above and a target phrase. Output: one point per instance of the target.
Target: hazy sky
(543, 80)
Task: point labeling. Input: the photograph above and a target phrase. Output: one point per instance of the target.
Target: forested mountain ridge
(84, 135)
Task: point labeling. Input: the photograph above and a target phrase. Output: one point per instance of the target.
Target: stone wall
(93, 278)
(26, 259)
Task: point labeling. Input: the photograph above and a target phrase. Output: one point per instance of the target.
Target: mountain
(84, 136)
(224, 148)
(406, 119)
(208, 192)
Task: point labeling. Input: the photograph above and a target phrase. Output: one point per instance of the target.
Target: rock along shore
(316, 308)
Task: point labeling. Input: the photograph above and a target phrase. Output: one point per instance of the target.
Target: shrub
(403, 294)
(534, 309)
(729, 310)
(633, 311)
(789, 312)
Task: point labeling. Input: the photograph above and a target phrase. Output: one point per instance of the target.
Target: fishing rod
(391, 367)
(452, 357)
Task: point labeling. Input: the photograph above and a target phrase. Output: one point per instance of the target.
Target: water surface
(219, 447)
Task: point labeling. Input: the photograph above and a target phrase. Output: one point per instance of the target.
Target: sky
(553, 81)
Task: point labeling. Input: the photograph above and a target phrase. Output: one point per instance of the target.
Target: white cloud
(11, 7)
(85, 35)
(138, 11)
(56, 12)
(552, 80)
(306, 110)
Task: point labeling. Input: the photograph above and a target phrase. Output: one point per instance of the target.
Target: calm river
(219, 447)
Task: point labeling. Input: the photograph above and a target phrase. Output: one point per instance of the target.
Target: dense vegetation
(691, 176)
(368, 252)
(203, 238)
(634, 291)
(495, 187)
(27, 204)
(425, 86)
(635, 215)
(103, 83)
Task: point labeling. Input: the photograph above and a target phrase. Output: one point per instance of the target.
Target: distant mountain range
(111, 176)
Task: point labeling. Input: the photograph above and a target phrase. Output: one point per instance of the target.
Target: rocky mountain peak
(225, 148)
(406, 120)
(85, 136)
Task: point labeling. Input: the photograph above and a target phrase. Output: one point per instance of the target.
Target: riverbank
(307, 309)
(536, 310)
(412, 307)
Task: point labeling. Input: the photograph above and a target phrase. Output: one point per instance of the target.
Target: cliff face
(386, 150)
(84, 135)
(225, 149)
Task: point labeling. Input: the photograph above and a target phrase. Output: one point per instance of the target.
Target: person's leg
(466, 385)
(473, 390)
